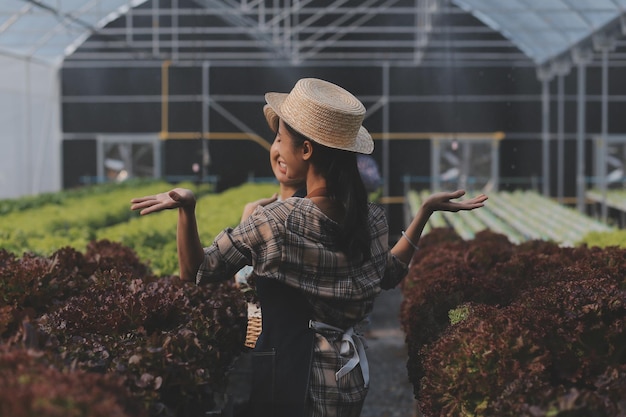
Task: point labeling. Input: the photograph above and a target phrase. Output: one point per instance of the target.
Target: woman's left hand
(441, 201)
(250, 207)
(178, 197)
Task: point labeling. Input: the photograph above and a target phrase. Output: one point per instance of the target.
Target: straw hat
(323, 112)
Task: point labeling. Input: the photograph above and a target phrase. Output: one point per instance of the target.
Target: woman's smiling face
(288, 168)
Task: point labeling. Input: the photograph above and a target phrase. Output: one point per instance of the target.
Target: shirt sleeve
(233, 248)
(395, 271)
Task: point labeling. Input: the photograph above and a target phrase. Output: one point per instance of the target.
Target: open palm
(178, 197)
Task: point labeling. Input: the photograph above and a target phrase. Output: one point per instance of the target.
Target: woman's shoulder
(377, 220)
(297, 203)
(280, 210)
(305, 207)
(376, 211)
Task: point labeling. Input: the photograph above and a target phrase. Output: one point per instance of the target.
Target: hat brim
(272, 110)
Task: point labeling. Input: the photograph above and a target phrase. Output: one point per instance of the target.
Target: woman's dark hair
(344, 185)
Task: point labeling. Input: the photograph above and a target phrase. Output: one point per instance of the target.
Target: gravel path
(391, 393)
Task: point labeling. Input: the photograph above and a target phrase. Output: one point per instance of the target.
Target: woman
(319, 261)
(288, 187)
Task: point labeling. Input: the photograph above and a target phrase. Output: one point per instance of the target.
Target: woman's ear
(307, 150)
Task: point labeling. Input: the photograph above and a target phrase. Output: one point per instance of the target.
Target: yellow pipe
(392, 136)
(377, 136)
(439, 135)
(218, 136)
(392, 200)
(164, 98)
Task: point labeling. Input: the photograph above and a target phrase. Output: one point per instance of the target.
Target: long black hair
(344, 185)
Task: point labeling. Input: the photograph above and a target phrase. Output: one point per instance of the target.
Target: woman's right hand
(176, 198)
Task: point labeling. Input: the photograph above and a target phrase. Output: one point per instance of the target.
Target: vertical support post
(129, 26)
(419, 28)
(465, 180)
(175, 31)
(495, 164)
(560, 138)
(99, 159)
(604, 128)
(206, 106)
(580, 138)
(435, 167)
(295, 36)
(27, 148)
(126, 150)
(385, 109)
(156, 157)
(287, 28)
(581, 58)
(604, 43)
(261, 15)
(544, 76)
(560, 68)
(165, 92)
(276, 32)
(156, 23)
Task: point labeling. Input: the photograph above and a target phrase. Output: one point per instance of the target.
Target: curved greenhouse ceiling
(308, 30)
(50, 30)
(545, 29)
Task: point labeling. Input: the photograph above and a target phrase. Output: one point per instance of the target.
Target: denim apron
(282, 357)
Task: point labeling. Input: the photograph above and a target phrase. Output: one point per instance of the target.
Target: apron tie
(349, 339)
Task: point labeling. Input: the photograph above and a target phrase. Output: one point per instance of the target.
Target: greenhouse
(521, 100)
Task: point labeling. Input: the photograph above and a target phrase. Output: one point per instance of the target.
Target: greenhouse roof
(544, 30)
(50, 30)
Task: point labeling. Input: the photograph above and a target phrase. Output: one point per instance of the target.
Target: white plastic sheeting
(35, 37)
(30, 128)
(50, 30)
(544, 29)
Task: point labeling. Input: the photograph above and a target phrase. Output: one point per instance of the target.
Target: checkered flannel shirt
(294, 242)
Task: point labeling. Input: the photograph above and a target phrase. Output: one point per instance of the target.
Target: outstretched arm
(404, 249)
(190, 251)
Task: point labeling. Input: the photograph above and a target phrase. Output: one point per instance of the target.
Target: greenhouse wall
(421, 100)
(127, 99)
(30, 161)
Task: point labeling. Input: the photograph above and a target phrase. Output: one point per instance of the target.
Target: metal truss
(296, 32)
(318, 32)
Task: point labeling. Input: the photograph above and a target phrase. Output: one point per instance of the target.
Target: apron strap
(349, 340)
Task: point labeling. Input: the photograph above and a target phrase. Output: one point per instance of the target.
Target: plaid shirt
(294, 242)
